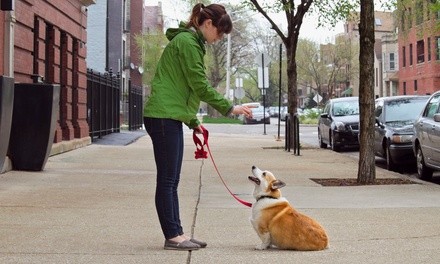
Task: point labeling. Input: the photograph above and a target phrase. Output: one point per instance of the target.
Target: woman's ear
(208, 22)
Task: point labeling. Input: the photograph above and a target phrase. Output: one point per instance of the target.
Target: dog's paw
(261, 247)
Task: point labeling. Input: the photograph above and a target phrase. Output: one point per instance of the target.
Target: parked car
(258, 115)
(393, 131)
(426, 139)
(338, 125)
(285, 112)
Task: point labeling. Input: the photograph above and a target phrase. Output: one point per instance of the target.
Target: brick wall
(50, 39)
(426, 74)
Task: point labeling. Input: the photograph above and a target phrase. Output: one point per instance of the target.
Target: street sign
(261, 77)
(262, 60)
(239, 93)
(317, 98)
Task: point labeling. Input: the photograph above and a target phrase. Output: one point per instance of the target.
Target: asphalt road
(308, 136)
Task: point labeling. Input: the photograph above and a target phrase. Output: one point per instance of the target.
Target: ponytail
(217, 13)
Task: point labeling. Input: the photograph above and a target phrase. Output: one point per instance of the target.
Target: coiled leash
(200, 153)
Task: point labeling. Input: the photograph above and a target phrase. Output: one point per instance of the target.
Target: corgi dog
(279, 224)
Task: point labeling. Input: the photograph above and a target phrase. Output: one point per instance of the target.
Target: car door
(426, 126)
(435, 138)
(325, 122)
(378, 129)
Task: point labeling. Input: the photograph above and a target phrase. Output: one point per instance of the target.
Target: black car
(426, 139)
(393, 131)
(338, 125)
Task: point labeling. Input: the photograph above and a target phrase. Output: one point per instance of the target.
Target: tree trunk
(366, 168)
(292, 89)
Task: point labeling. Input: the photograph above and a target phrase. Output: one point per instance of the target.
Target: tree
(334, 11)
(294, 16)
(151, 45)
(312, 70)
(366, 168)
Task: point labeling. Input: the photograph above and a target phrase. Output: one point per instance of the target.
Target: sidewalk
(96, 205)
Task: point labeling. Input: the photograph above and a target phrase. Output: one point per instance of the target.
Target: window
(378, 22)
(415, 86)
(410, 54)
(437, 47)
(392, 62)
(404, 88)
(404, 57)
(419, 12)
(428, 42)
(431, 107)
(377, 77)
(420, 51)
(402, 23)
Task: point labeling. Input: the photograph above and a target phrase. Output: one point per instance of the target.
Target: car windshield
(345, 108)
(403, 111)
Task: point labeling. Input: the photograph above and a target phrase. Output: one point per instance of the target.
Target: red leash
(200, 153)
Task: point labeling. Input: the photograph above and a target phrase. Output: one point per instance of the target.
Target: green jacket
(180, 81)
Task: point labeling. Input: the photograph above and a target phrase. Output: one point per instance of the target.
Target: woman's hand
(199, 129)
(245, 110)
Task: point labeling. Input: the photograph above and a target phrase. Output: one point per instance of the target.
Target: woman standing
(178, 87)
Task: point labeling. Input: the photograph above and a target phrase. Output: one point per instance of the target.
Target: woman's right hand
(245, 110)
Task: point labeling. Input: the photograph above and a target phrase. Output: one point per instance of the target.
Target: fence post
(296, 143)
(287, 134)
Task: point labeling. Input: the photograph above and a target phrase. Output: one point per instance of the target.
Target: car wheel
(333, 143)
(391, 166)
(321, 143)
(423, 172)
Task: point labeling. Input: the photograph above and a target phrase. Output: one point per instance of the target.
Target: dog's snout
(253, 167)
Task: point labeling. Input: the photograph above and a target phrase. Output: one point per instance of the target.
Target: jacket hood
(173, 32)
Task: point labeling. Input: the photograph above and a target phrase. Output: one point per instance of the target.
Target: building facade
(390, 66)
(384, 25)
(419, 49)
(45, 41)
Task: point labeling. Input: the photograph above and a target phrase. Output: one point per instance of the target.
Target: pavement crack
(196, 209)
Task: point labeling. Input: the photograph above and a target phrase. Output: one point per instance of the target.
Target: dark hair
(215, 12)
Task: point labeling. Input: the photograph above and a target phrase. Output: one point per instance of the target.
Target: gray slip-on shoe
(198, 242)
(185, 245)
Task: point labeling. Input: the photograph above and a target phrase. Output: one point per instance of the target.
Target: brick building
(419, 50)
(47, 39)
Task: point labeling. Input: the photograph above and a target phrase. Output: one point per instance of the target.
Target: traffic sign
(262, 60)
(239, 93)
(263, 74)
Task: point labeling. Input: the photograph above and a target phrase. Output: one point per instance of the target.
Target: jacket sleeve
(192, 64)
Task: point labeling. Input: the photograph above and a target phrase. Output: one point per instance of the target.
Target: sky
(173, 12)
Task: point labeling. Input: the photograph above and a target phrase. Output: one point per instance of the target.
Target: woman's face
(210, 32)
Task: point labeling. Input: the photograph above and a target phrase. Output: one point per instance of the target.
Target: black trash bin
(6, 104)
(36, 111)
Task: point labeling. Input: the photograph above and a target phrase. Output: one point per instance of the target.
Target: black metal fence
(103, 103)
(135, 103)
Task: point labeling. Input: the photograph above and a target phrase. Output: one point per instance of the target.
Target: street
(308, 137)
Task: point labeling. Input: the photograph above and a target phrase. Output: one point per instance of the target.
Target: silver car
(426, 139)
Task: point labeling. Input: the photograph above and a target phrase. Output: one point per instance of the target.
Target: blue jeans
(167, 138)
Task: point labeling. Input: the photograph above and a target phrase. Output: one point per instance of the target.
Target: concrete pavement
(96, 205)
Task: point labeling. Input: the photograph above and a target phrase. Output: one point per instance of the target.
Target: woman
(178, 87)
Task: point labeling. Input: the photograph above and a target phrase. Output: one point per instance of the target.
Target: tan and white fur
(277, 223)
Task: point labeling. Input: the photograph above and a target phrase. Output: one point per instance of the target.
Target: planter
(6, 104)
(36, 111)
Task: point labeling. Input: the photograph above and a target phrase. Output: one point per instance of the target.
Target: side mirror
(379, 123)
(324, 115)
(437, 117)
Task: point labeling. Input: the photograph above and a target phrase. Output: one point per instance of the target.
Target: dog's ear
(277, 184)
